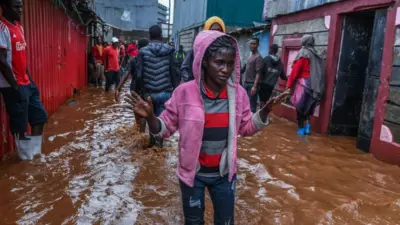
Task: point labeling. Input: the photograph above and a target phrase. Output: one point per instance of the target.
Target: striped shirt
(215, 137)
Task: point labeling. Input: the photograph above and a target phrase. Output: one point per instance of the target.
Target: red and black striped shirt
(215, 137)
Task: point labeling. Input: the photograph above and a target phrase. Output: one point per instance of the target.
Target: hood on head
(308, 41)
(275, 59)
(160, 49)
(203, 40)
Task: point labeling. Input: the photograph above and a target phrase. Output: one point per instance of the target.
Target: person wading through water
(214, 23)
(209, 113)
(156, 68)
(97, 51)
(308, 74)
(20, 93)
(136, 84)
(111, 65)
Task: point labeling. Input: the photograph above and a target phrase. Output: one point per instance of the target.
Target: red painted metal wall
(57, 58)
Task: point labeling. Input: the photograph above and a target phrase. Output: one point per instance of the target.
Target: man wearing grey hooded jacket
(272, 70)
(156, 70)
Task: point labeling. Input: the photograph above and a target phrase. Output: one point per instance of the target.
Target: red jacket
(300, 69)
(132, 50)
(97, 51)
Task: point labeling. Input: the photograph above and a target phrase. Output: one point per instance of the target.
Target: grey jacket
(273, 69)
(186, 68)
(156, 68)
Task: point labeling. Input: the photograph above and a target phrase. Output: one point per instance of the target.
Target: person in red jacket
(97, 52)
(132, 49)
(308, 74)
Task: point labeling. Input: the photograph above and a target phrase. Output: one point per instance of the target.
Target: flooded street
(94, 170)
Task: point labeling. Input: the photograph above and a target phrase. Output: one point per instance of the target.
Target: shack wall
(384, 144)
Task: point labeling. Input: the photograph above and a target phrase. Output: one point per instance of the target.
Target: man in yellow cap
(213, 23)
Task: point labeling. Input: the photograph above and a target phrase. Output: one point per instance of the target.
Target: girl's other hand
(139, 106)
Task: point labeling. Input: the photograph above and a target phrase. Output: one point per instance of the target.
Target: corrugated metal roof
(251, 29)
(272, 8)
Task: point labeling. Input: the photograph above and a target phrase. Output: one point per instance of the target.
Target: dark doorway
(357, 80)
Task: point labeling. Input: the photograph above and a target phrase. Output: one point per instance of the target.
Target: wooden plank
(397, 40)
(395, 79)
(393, 113)
(396, 56)
(394, 95)
(394, 129)
(307, 26)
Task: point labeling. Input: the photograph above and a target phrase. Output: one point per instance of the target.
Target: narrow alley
(94, 170)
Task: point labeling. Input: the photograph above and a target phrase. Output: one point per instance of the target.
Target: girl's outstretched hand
(272, 103)
(139, 106)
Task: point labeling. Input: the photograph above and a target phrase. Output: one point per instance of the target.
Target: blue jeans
(222, 194)
(253, 99)
(158, 100)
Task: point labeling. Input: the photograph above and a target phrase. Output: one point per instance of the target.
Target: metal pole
(169, 21)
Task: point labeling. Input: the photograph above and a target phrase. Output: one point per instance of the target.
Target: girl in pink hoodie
(209, 113)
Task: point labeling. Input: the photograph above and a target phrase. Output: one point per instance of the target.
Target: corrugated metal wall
(273, 8)
(188, 14)
(57, 58)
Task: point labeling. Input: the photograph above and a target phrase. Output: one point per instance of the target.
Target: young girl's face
(220, 67)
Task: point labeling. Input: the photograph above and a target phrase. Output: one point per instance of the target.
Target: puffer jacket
(156, 68)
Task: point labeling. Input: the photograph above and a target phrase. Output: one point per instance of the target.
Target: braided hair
(221, 44)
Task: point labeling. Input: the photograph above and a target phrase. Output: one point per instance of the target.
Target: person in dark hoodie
(136, 84)
(156, 69)
(273, 69)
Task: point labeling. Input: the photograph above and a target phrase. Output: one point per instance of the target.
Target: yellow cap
(213, 20)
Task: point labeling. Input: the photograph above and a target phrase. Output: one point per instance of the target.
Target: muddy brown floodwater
(94, 170)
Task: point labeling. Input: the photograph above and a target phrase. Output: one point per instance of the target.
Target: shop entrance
(357, 79)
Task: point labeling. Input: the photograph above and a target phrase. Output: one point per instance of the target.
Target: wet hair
(143, 43)
(274, 49)
(155, 32)
(223, 43)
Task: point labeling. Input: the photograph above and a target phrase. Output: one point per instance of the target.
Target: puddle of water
(94, 170)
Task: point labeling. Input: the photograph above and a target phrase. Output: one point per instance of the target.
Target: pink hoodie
(184, 112)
